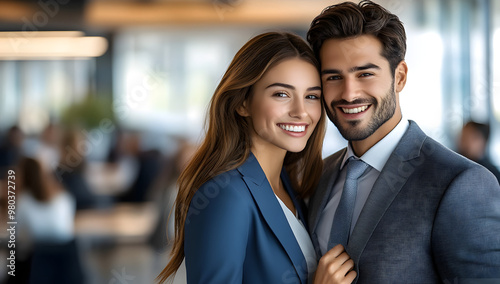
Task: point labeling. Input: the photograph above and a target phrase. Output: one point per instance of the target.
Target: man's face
(472, 144)
(358, 86)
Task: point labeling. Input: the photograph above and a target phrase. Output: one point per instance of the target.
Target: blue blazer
(236, 231)
(432, 217)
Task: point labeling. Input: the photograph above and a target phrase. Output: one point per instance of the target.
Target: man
(421, 213)
(473, 144)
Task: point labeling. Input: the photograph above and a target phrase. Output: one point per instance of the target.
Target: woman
(46, 214)
(237, 216)
(44, 199)
(73, 179)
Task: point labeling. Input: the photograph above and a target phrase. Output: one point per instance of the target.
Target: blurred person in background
(47, 150)
(44, 209)
(45, 214)
(473, 144)
(11, 147)
(166, 191)
(123, 156)
(148, 165)
(71, 170)
(116, 147)
(239, 214)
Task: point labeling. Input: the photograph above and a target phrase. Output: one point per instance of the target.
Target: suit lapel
(271, 210)
(394, 175)
(320, 198)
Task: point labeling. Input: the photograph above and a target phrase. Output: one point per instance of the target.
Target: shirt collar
(379, 153)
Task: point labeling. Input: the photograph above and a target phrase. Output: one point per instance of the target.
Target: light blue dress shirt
(375, 157)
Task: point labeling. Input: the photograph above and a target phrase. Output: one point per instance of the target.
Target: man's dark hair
(348, 20)
(481, 128)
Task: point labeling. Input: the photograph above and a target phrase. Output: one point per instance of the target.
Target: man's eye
(312, 97)
(365, 75)
(334, 77)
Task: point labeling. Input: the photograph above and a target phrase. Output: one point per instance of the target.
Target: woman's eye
(281, 95)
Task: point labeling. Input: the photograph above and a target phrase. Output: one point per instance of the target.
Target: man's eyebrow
(351, 70)
(364, 67)
(315, 88)
(330, 71)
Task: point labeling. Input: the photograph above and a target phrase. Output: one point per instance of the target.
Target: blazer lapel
(271, 210)
(296, 199)
(390, 182)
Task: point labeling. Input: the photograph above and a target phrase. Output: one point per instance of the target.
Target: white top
(180, 275)
(302, 236)
(47, 221)
(375, 157)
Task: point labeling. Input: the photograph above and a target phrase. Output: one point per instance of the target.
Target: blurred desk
(122, 223)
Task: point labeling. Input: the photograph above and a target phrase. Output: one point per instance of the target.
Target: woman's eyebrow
(287, 86)
(281, 85)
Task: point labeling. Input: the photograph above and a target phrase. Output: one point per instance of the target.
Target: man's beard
(383, 113)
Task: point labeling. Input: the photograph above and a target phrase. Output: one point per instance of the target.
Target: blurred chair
(10, 148)
(56, 263)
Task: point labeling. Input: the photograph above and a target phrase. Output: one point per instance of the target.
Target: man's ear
(243, 110)
(400, 76)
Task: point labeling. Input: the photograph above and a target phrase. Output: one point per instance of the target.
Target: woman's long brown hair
(34, 179)
(227, 142)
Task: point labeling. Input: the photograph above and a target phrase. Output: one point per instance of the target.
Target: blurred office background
(107, 99)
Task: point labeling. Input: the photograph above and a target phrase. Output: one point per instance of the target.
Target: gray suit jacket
(432, 216)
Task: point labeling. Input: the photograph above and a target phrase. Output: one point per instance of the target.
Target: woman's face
(285, 106)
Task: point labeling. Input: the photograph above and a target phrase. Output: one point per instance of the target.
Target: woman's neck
(271, 161)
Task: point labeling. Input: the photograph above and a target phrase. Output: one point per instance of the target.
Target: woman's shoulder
(64, 198)
(229, 192)
(228, 184)
(221, 198)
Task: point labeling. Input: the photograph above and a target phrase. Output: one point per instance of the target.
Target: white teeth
(354, 110)
(293, 128)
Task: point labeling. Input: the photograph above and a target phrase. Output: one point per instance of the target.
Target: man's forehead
(352, 52)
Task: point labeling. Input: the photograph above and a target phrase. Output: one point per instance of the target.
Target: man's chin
(353, 131)
(351, 136)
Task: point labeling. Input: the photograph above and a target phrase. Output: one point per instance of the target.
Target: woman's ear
(400, 76)
(242, 110)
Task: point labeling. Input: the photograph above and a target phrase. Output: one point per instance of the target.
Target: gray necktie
(341, 226)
